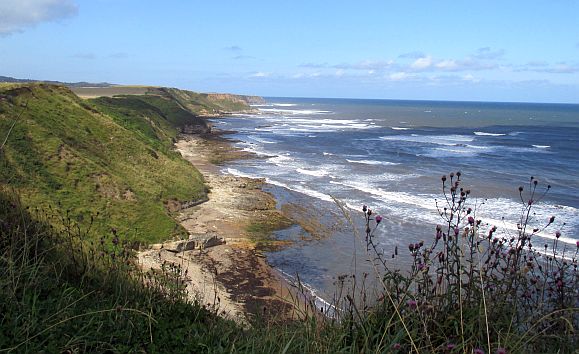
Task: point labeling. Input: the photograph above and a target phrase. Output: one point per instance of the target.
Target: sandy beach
(225, 268)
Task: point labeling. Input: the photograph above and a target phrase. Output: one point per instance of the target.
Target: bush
(473, 288)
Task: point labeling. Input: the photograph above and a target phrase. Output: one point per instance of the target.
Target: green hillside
(108, 155)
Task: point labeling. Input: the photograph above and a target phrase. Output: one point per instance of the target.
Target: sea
(323, 159)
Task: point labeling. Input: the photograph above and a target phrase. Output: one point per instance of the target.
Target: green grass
(111, 156)
(60, 294)
(83, 182)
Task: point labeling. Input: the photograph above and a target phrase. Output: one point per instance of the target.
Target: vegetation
(474, 288)
(109, 155)
(61, 293)
(69, 282)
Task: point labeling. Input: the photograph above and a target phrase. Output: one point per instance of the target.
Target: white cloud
(422, 63)
(366, 65)
(17, 15)
(470, 78)
(399, 76)
(260, 74)
(447, 64)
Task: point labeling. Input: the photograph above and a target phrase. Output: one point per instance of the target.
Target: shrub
(472, 288)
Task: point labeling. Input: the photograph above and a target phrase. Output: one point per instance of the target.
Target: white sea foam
(280, 160)
(317, 173)
(449, 140)
(423, 207)
(261, 140)
(542, 146)
(293, 111)
(328, 153)
(488, 134)
(284, 104)
(373, 162)
(283, 125)
(235, 172)
(398, 197)
(301, 189)
(399, 128)
(312, 294)
(459, 149)
(253, 148)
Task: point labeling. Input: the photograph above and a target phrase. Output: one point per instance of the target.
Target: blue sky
(450, 50)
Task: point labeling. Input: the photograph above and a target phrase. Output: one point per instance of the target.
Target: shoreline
(225, 267)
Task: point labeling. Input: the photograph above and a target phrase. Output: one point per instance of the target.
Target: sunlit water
(390, 155)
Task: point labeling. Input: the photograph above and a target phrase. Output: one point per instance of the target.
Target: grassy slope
(202, 103)
(111, 156)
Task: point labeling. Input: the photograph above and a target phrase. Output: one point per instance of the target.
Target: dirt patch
(242, 284)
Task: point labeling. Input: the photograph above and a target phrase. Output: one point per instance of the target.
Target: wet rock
(180, 246)
(212, 242)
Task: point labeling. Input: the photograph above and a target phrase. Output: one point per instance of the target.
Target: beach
(225, 267)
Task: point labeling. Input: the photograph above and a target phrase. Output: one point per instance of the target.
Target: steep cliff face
(249, 100)
(201, 104)
(111, 155)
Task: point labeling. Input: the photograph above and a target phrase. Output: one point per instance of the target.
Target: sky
(514, 51)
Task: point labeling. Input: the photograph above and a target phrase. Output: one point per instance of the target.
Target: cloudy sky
(435, 50)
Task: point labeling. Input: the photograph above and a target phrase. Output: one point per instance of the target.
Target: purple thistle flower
(478, 351)
(412, 304)
(396, 346)
(471, 220)
(501, 351)
(364, 208)
(456, 230)
(558, 234)
(577, 244)
(450, 346)
(378, 219)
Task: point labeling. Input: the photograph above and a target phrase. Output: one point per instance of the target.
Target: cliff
(249, 100)
(112, 156)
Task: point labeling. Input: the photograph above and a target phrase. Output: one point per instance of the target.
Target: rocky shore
(225, 268)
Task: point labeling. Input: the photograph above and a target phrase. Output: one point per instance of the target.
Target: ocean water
(390, 155)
